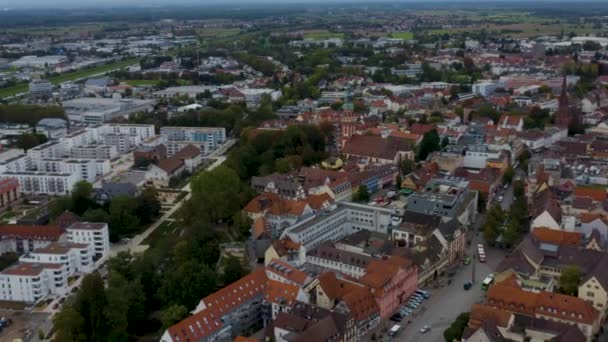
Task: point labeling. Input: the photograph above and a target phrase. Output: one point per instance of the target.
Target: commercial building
(338, 221)
(40, 89)
(53, 128)
(448, 198)
(486, 89)
(97, 110)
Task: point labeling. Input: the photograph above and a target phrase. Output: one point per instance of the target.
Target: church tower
(563, 117)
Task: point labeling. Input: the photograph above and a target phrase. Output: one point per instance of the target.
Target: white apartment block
(83, 137)
(35, 182)
(338, 221)
(26, 238)
(85, 169)
(142, 132)
(206, 138)
(477, 156)
(30, 282)
(15, 164)
(94, 152)
(48, 150)
(77, 257)
(96, 233)
(123, 142)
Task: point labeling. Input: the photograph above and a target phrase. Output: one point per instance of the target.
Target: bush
(454, 332)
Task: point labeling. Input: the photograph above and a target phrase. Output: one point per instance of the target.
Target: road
(447, 302)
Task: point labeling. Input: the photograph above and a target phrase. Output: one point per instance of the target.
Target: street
(447, 302)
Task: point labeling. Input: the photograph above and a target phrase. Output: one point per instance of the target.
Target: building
(9, 191)
(95, 233)
(338, 221)
(486, 89)
(77, 257)
(30, 282)
(24, 238)
(377, 149)
(566, 116)
(36, 182)
(448, 198)
(107, 152)
(207, 139)
(478, 156)
(41, 89)
(53, 128)
(97, 110)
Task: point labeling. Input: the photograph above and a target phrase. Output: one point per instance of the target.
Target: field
(142, 83)
(218, 32)
(321, 35)
(402, 35)
(71, 76)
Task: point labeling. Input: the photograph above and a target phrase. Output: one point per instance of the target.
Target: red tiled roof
(208, 321)
(29, 269)
(170, 165)
(16, 231)
(598, 194)
(188, 152)
(281, 293)
(287, 271)
(558, 237)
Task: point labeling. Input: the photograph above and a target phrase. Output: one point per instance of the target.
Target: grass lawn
(166, 228)
(70, 76)
(402, 35)
(323, 35)
(142, 83)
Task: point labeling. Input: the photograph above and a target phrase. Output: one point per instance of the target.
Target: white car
(425, 329)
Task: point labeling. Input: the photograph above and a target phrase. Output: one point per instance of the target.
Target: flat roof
(29, 269)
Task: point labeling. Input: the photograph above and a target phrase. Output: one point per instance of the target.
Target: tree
(398, 181)
(495, 218)
(174, 314)
(187, 284)
(215, 195)
(407, 166)
(122, 216)
(96, 215)
(90, 302)
(362, 194)
(68, 324)
(569, 280)
(233, 271)
(81, 197)
(148, 206)
(429, 144)
(507, 177)
(59, 206)
(456, 329)
(29, 140)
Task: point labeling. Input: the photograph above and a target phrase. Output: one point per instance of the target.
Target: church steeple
(563, 119)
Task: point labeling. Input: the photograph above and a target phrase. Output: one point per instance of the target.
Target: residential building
(41, 89)
(95, 233)
(487, 88)
(9, 192)
(77, 257)
(372, 149)
(207, 139)
(108, 152)
(30, 282)
(25, 238)
(35, 182)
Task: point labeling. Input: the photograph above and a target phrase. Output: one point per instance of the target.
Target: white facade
(339, 221)
(33, 182)
(30, 282)
(96, 233)
(77, 258)
(142, 132)
(94, 152)
(477, 156)
(486, 89)
(207, 139)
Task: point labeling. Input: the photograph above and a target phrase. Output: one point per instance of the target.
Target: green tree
(187, 284)
(507, 177)
(173, 314)
(90, 302)
(122, 217)
(96, 215)
(69, 325)
(59, 206)
(81, 197)
(148, 206)
(362, 194)
(29, 140)
(429, 144)
(569, 280)
(215, 195)
(407, 166)
(233, 271)
(456, 329)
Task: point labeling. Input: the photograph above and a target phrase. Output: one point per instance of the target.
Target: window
(590, 294)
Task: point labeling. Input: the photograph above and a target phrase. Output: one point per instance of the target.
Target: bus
(487, 282)
(481, 252)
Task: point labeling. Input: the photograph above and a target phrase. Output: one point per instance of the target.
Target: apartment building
(77, 257)
(30, 282)
(35, 182)
(22, 238)
(9, 191)
(123, 142)
(108, 152)
(95, 233)
(207, 139)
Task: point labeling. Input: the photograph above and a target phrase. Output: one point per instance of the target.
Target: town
(304, 172)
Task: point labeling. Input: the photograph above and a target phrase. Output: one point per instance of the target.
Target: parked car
(467, 260)
(425, 329)
(467, 286)
(55, 306)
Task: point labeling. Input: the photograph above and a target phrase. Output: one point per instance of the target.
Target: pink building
(391, 281)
